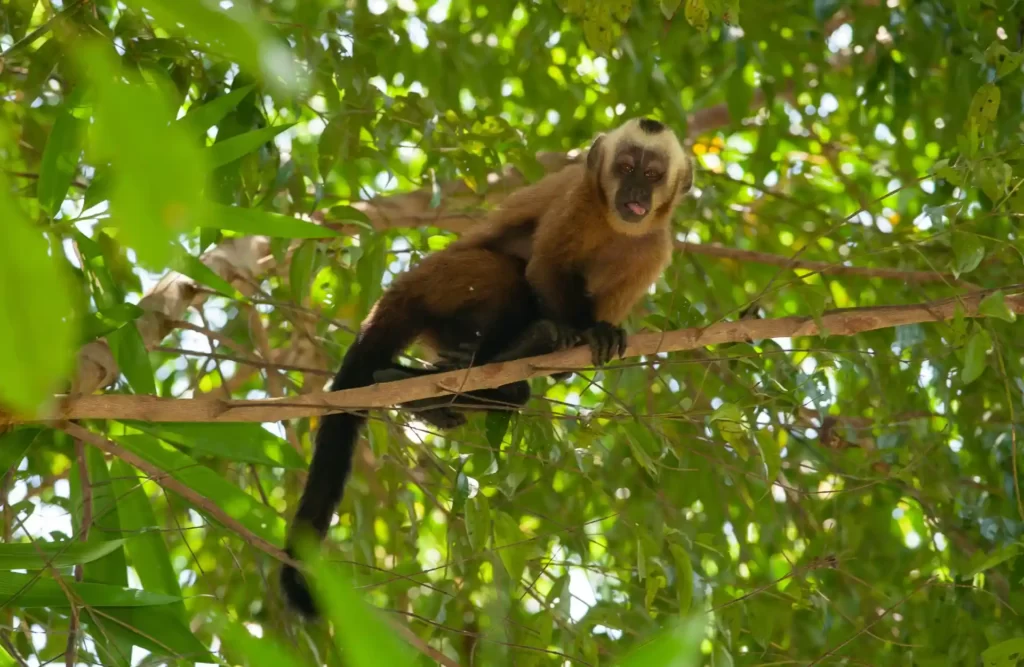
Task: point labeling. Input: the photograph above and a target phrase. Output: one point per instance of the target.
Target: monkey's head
(640, 170)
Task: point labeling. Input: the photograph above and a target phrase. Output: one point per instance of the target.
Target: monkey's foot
(441, 418)
(542, 337)
(457, 358)
(606, 342)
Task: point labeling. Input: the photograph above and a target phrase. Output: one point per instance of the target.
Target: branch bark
(842, 322)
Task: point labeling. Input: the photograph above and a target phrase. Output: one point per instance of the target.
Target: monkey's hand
(606, 341)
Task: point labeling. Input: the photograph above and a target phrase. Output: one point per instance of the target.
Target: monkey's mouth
(632, 211)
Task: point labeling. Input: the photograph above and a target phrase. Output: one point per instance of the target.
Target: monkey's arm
(565, 298)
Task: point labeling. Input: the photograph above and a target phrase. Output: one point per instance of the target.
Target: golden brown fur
(586, 263)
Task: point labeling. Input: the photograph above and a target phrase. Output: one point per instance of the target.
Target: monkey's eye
(626, 168)
(652, 175)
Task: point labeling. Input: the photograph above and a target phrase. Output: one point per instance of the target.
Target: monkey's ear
(595, 156)
(686, 176)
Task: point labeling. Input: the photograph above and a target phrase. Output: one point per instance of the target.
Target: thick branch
(843, 322)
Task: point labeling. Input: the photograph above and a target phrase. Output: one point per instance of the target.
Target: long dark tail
(336, 439)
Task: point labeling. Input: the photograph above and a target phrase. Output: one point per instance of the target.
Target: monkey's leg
(443, 417)
(542, 337)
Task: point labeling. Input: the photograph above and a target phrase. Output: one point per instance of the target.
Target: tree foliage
(204, 200)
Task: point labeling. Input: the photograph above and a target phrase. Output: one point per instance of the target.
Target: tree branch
(842, 322)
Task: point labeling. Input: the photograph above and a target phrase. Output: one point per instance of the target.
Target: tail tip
(296, 592)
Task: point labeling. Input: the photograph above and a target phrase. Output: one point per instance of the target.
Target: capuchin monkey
(561, 261)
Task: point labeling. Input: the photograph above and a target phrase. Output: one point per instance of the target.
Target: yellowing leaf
(985, 106)
(697, 14)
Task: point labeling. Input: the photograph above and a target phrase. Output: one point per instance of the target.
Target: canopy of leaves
(204, 199)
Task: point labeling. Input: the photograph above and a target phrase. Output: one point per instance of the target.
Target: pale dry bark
(842, 322)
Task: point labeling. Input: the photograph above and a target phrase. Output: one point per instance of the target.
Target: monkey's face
(640, 171)
(637, 174)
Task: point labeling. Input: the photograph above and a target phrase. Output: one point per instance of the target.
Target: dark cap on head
(651, 126)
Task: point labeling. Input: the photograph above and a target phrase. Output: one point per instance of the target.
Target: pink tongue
(636, 208)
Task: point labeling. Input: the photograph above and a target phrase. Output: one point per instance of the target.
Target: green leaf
(732, 12)
(202, 117)
(133, 358)
(145, 545)
(156, 629)
(738, 95)
(258, 518)
(461, 494)
(974, 364)
(106, 320)
(677, 646)
(669, 8)
(986, 561)
(506, 534)
(233, 441)
(478, 522)
(732, 427)
(994, 305)
(496, 424)
(113, 645)
(256, 222)
(60, 161)
(238, 36)
(15, 444)
(968, 251)
(684, 577)
(38, 354)
(158, 173)
(1004, 654)
(40, 554)
(771, 454)
(652, 586)
(229, 150)
(359, 631)
(258, 652)
(349, 216)
(300, 270)
(194, 268)
(23, 591)
(338, 141)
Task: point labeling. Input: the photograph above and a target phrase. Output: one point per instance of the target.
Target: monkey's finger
(622, 343)
(607, 347)
(595, 350)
